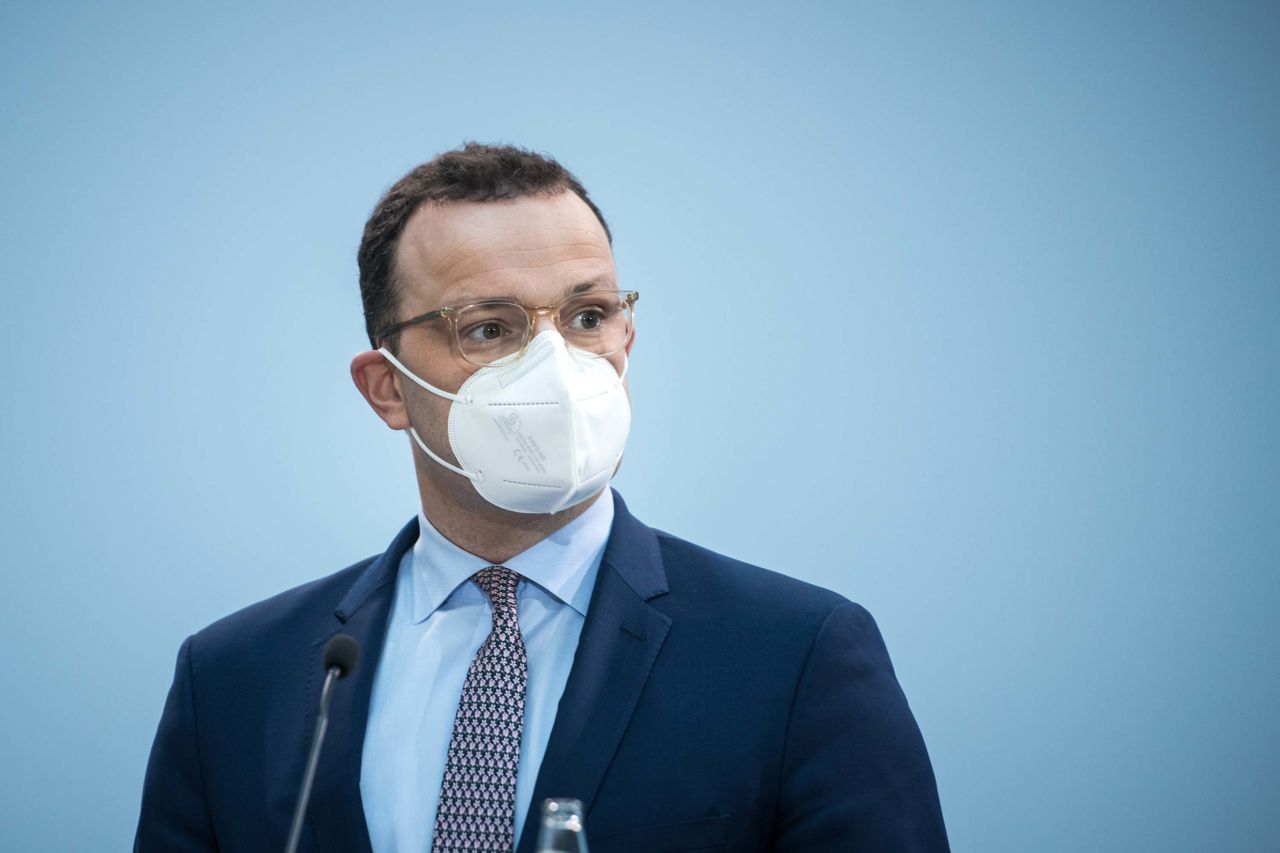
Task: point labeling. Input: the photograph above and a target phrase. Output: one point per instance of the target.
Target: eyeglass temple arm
(421, 318)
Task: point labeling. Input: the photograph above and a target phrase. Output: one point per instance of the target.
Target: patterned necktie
(478, 795)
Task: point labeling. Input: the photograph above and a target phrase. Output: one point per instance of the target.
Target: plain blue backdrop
(967, 311)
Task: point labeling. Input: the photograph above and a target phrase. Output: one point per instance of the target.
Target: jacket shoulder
(305, 608)
(736, 587)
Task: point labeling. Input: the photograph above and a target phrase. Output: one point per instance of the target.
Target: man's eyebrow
(590, 284)
(603, 280)
(488, 297)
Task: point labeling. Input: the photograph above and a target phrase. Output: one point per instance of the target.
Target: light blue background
(969, 312)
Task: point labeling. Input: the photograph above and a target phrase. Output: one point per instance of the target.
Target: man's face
(534, 251)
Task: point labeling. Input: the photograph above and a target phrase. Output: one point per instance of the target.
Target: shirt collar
(561, 564)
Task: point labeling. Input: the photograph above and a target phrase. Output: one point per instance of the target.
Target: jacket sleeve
(856, 776)
(175, 814)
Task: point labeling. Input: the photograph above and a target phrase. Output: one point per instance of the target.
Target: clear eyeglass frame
(624, 300)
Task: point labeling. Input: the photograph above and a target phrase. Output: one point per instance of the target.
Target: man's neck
(478, 527)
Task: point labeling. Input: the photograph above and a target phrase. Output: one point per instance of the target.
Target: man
(524, 636)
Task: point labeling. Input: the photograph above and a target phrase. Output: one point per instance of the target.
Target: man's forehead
(466, 249)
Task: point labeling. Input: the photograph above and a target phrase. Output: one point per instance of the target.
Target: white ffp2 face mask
(539, 433)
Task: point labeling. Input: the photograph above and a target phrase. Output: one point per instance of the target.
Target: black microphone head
(341, 651)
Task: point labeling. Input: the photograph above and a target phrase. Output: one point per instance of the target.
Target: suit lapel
(336, 812)
(620, 640)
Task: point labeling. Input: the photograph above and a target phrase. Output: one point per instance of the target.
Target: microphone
(341, 652)
(340, 656)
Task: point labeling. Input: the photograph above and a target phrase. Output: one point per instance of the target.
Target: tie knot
(498, 583)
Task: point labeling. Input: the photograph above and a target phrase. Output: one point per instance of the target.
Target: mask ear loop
(427, 450)
(440, 393)
(426, 385)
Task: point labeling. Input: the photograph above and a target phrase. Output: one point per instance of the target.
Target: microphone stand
(313, 758)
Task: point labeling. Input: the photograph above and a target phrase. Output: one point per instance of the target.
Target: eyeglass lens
(597, 322)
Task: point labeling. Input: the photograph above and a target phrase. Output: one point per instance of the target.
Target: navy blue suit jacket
(712, 705)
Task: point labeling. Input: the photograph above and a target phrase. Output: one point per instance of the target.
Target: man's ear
(377, 381)
(631, 342)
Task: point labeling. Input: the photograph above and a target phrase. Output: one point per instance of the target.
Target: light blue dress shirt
(437, 623)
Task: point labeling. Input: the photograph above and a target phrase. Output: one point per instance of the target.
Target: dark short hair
(473, 172)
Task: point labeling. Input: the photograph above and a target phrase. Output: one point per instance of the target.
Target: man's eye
(588, 319)
(490, 330)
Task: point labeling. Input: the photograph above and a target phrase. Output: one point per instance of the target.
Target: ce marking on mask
(526, 450)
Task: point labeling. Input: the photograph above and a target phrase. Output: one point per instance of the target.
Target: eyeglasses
(596, 322)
